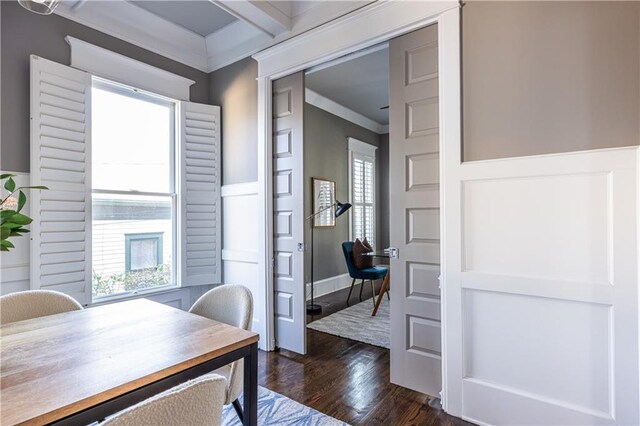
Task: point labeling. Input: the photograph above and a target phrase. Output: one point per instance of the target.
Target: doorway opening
(362, 131)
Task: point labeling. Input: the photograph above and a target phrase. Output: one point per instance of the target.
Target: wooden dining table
(82, 366)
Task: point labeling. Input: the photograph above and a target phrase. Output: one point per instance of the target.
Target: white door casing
(375, 23)
(288, 211)
(542, 289)
(415, 210)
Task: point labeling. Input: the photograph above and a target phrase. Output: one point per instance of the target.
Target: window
(121, 161)
(133, 190)
(362, 186)
(142, 251)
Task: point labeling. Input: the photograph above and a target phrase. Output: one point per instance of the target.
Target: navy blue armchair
(371, 274)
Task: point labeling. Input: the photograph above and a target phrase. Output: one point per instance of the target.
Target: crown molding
(139, 27)
(371, 25)
(261, 25)
(342, 111)
(224, 46)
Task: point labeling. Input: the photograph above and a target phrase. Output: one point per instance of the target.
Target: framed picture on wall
(324, 195)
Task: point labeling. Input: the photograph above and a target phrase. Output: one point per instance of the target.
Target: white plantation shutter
(60, 160)
(362, 175)
(200, 200)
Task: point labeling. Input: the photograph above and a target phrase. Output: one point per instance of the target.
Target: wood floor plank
(346, 379)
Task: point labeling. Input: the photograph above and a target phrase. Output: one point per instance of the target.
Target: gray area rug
(356, 323)
(275, 409)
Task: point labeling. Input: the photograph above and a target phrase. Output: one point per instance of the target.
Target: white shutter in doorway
(200, 199)
(60, 160)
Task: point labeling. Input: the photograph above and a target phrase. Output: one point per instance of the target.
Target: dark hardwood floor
(346, 379)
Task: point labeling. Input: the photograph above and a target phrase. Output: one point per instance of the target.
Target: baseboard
(329, 285)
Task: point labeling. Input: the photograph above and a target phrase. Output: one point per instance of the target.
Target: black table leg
(250, 395)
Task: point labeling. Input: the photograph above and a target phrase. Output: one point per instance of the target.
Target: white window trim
(116, 67)
(362, 149)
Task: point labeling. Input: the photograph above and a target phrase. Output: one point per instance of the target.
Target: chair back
(347, 249)
(25, 305)
(230, 303)
(197, 402)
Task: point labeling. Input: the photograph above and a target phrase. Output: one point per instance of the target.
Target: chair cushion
(359, 248)
(375, 273)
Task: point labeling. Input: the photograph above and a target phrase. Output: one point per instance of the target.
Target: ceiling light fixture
(41, 7)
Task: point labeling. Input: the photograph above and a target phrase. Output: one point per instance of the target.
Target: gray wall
(326, 155)
(25, 33)
(545, 77)
(235, 89)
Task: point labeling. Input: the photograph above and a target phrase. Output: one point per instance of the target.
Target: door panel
(415, 209)
(288, 205)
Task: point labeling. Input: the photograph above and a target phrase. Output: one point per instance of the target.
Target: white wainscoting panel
(568, 227)
(544, 282)
(240, 239)
(332, 284)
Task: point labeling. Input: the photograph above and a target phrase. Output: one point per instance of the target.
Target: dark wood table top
(54, 366)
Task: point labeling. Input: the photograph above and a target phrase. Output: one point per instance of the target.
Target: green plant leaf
(6, 176)
(22, 200)
(6, 243)
(4, 233)
(10, 225)
(10, 185)
(7, 213)
(21, 219)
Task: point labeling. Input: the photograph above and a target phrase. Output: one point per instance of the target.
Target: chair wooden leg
(350, 290)
(361, 287)
(373, 294)
(238, 408)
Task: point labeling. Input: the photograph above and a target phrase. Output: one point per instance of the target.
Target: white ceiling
(201, 17)
(206, 34)
(360, 84)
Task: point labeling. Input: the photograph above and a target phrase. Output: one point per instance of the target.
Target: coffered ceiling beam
(261, 14)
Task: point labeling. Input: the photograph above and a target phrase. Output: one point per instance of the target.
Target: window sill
(121, 297)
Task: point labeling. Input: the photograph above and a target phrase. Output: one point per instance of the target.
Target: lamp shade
(341, 208)
(42, 7)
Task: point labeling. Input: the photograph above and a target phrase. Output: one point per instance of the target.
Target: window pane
(132, 243)
(131, 143)
(143, 254)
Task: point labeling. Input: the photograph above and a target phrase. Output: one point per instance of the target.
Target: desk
(79, 367)
(385, 281)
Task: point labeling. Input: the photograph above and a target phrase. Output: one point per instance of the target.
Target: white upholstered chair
(231, 304)
(33, 304)
(196, 402)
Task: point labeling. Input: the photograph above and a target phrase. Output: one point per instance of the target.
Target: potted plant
(12, 222)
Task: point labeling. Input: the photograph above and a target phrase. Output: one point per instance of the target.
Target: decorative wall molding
(240, 245)
(329, 285)
(261, 25)
(122, 69)
(239, 189)
(372, 24)
(244, 256)
(342, 111)
(137, 26)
